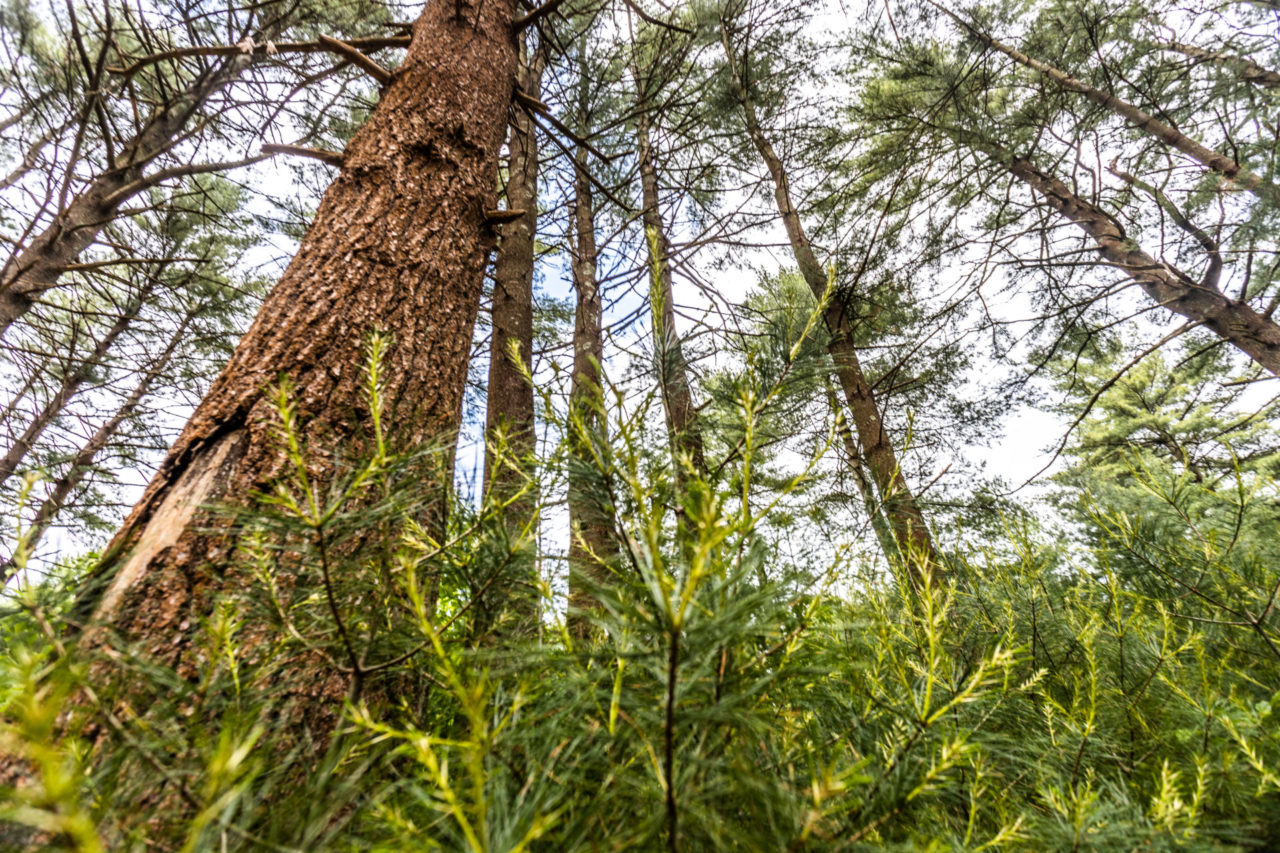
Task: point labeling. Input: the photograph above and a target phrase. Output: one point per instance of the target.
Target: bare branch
(333, 158)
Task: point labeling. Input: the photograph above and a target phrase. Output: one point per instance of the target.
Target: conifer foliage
(502, 426)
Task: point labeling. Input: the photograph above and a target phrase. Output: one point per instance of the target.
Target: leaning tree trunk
(509, 422)
(1254, 334)
(1244, 68)
(590, 503)
(900, 506)
(866, 490)
(1144, 121)
(673, 374)
(399, 244)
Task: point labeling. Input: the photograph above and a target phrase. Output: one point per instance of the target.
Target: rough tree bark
(510, 410)
(1144, 121)
(590, 505)
(399, 243)
(673, 375)
(1254, 334)
(899, 504)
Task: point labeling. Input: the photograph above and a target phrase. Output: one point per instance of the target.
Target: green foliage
(729, 697)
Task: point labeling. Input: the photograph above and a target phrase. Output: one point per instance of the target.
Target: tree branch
(357, 57)
(333, 158)
(269, 49)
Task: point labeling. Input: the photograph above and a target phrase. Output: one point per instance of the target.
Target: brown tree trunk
(853, 454)
(71, 383)
(673, 375)
(399, 243)
(900, 505)
(510, 394)
(590, 505)
(82, 463)
(1144, 121)
(1255, 335)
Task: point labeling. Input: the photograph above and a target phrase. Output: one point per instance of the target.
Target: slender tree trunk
(1246, 69)
(900, 505)
(510, 397)
(83, 461)
(39, 265)
(72, 382)
(590, 505)
(399, 243)
(673, 375)
(853, 453)
(1144, 121)
(1255, 335)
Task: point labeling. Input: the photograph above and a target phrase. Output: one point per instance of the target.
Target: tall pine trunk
(900, 505)
(399, 244)
(590, 504)
(857, 468)
(510, 411)
(673, 374)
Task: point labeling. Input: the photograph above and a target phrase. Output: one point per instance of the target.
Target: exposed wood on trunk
(1252, 333)
(399, 243)
(1244, 68)
(72, 382)
(1144, 121)
(590, 504)
(899, 504)
(510, 395)
(673, 374)
(82, 463)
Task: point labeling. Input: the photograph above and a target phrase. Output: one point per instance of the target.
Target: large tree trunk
(590, 505)
(1144, 121)
(399, 243)
(510, 398)
(72, 382)
(673, 374)
(1255, 335)
(900, 505)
